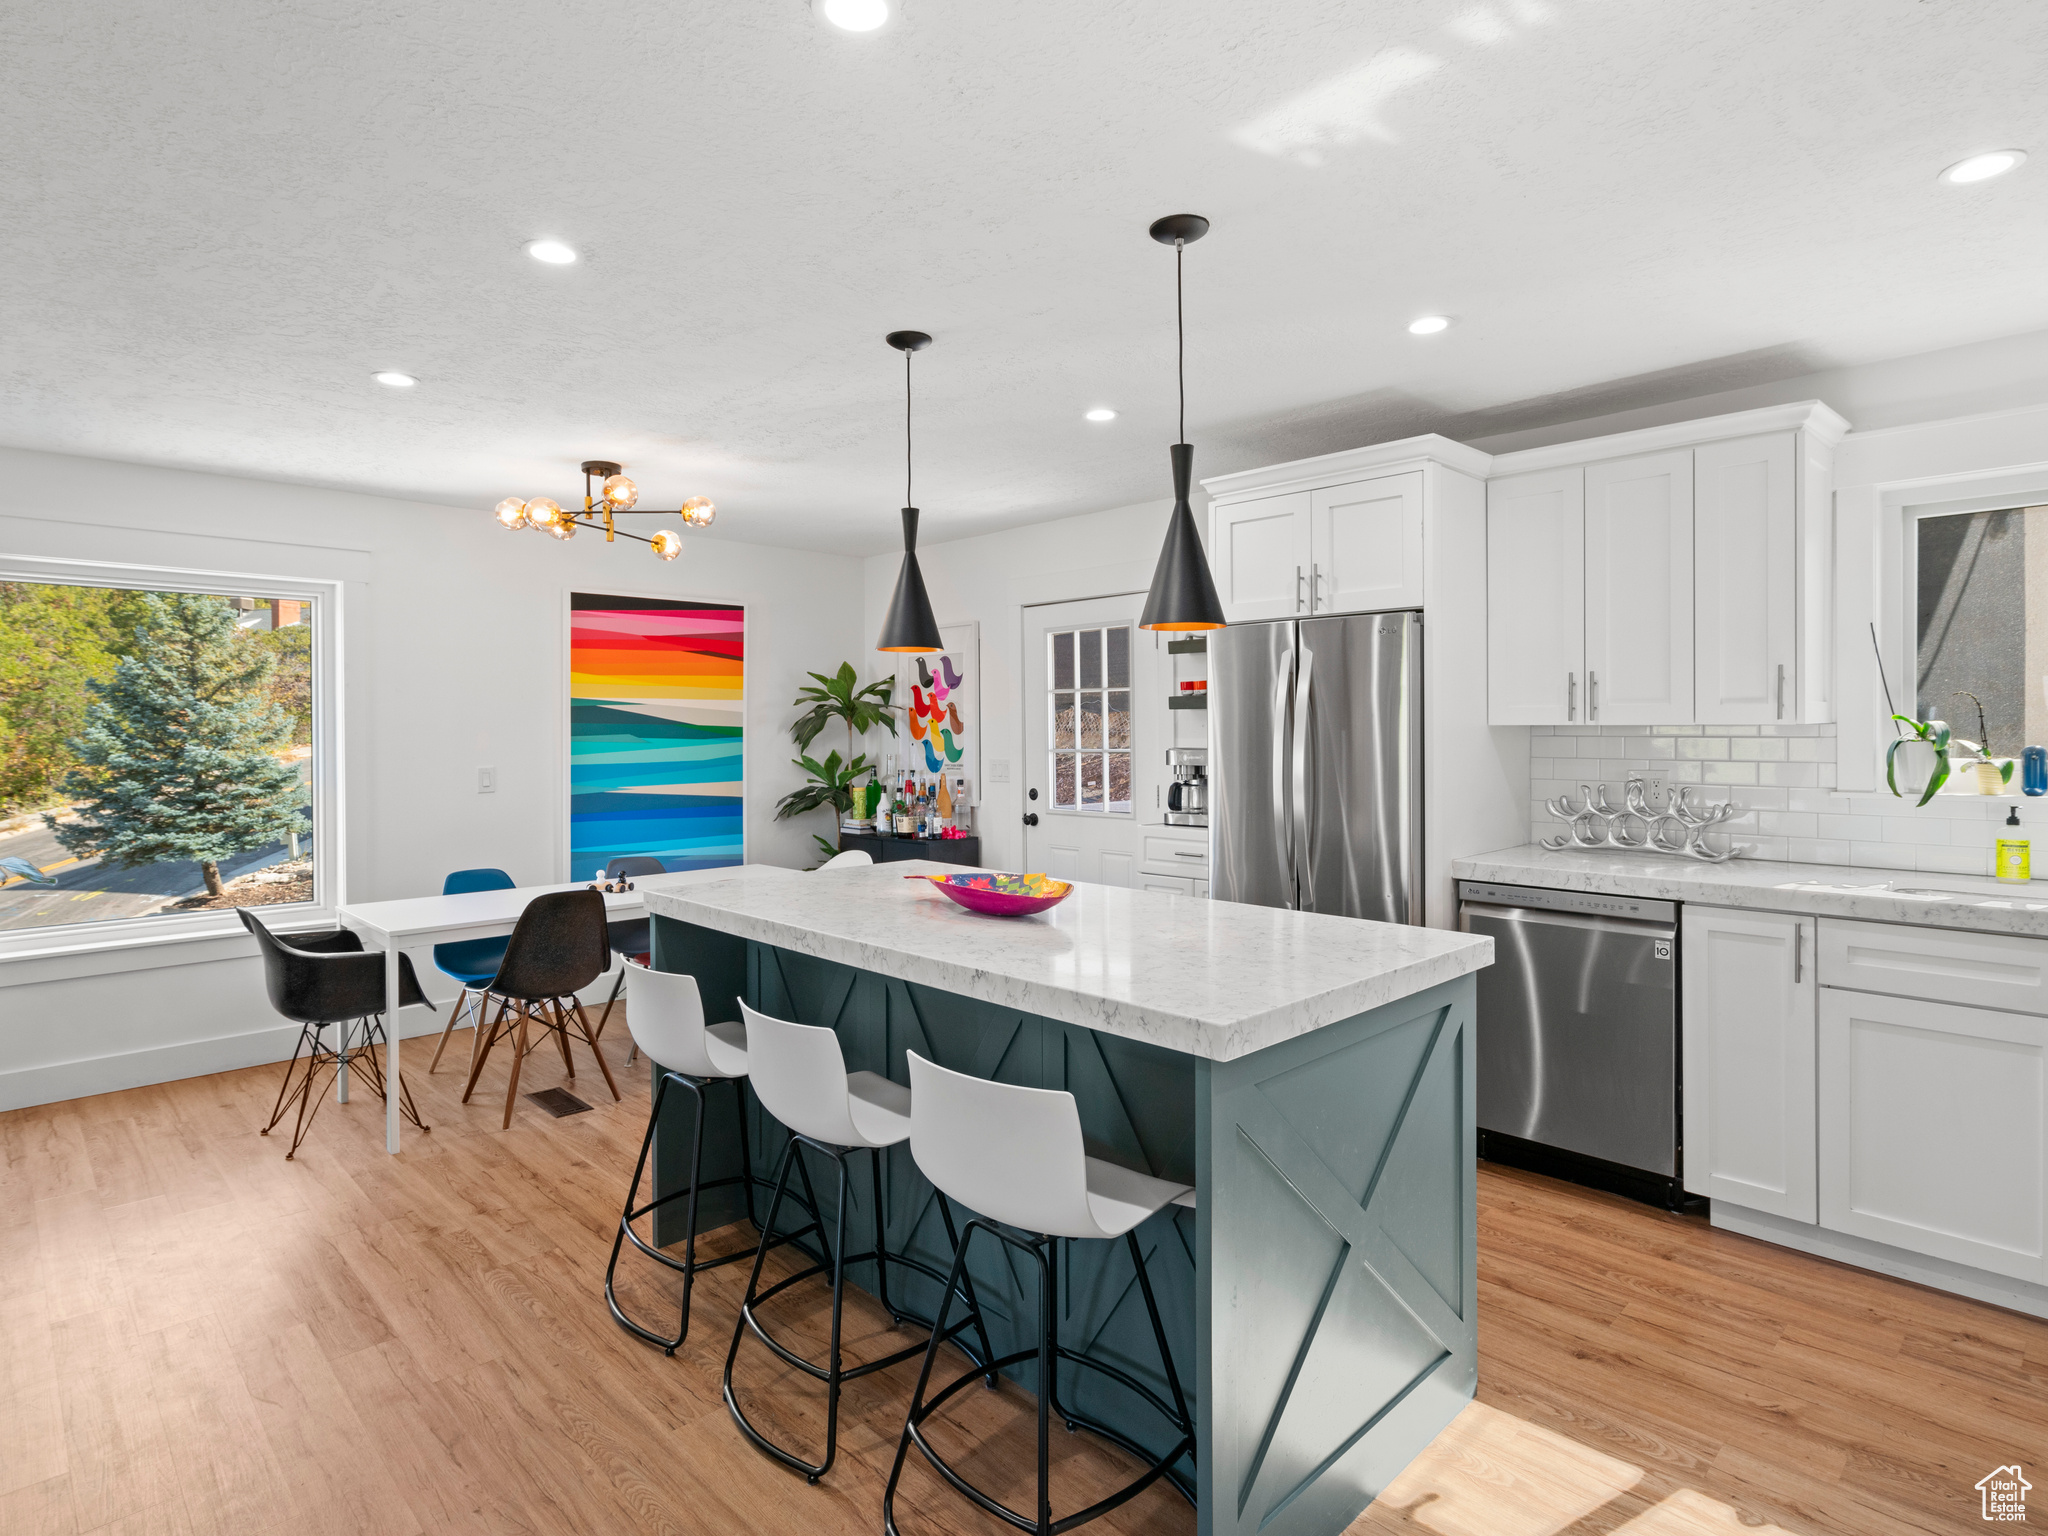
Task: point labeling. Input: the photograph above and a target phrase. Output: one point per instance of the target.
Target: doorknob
(1031, 820)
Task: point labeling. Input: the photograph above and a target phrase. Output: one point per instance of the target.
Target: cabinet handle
(1315, 588)
(1592, 694)
(1571, 696)
(1781, 690)
(1179, 855)
(1798, 953)
(1297, 589)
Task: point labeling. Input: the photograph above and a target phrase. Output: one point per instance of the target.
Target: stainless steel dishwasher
(1578, 1036)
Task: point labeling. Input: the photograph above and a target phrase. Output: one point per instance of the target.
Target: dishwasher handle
(1544, 917)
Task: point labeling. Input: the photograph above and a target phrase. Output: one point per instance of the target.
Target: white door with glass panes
(1094, 737)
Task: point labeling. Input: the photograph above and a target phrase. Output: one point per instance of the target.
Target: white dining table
(393, 926)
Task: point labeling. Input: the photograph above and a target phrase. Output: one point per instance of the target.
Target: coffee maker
(1187, 797)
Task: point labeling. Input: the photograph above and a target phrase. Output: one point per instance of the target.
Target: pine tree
(177, 749)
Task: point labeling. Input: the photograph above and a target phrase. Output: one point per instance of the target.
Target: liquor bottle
(945, 806)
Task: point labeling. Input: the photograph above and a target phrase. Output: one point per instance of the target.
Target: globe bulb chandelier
(607, 493)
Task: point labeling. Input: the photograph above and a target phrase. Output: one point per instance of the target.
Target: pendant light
(909, 625)
(1183, 594)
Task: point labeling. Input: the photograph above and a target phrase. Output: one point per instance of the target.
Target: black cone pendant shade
(909, 625)
(1183, 594)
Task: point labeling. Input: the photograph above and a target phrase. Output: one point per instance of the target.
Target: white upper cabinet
(1261, 556)
(1639, 590)
(1745, 582)
(1367, 545)
(1535, 598)
(1702, 593)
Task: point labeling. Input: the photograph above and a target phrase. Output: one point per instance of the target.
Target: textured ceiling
(222, 218)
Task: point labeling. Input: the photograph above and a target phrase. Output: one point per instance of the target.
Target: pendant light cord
(907, 500)
(1180, 340)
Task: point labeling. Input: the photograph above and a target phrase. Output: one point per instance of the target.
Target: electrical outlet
(1656, 791)
(486, 781)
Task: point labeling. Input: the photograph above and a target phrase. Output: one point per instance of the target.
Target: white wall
(453, 654)
(991, 579)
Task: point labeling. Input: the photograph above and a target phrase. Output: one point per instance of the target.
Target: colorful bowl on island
(1003, 895)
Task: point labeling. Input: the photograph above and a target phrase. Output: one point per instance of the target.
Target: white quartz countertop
(1212, 978)
(1879, 895)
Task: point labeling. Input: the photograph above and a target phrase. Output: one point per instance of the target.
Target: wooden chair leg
(602, 1065)
(480, 1049)
(520, 1048)
(478, 1036)
(561, 1037)
(454, 1014)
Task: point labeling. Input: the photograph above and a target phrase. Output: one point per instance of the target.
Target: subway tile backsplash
(1785, 776)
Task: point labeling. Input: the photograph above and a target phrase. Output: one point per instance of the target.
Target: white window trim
(329, 872)
(1104, 812)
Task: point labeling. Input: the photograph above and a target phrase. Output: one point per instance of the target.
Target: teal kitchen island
(1311, 1077)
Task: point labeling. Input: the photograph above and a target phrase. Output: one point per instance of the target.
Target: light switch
(999, 770)
(486, 781)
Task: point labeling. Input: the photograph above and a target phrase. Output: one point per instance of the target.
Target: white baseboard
(1939, 1274)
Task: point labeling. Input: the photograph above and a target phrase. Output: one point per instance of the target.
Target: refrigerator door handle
(1283, 834)
(1305, 870)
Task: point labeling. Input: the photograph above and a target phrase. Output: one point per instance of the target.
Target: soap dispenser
(2014, 862)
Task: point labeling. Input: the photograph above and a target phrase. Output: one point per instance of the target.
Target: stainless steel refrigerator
(1315, 765)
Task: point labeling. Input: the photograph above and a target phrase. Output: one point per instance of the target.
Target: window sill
(30, 956)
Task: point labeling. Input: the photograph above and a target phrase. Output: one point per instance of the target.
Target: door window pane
(1091, 778)
(1119, 657)
(1063, 661)
(1090, 641)
(1091, 720)
(1062, 720)
(1063, 779)
(1119, 726)
(1119, 781)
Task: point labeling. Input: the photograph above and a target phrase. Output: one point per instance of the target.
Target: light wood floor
(198, 1337)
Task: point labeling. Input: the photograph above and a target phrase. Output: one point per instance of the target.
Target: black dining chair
(323, 981)
(634, 936)
(558, 948)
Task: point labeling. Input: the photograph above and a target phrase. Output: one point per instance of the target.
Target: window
(1981, 631)
(1090, 671)
(164, 749)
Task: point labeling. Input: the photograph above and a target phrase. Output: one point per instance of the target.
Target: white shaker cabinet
(1535, 598)
(1933, 1129)
(1745, 582)
(1748, 1058)
(1261, 556)
(1366, 545)
(1639, 590)
(1352, 548)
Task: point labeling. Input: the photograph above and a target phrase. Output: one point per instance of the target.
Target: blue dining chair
(473, 962)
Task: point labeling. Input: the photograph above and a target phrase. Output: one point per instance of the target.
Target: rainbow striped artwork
(656, 731)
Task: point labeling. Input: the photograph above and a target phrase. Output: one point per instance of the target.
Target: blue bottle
(2034, 771)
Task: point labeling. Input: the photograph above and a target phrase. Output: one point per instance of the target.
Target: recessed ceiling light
(1429, 325)
(1983, 167)
(1102, 413)
(395, 380)
(854, 15)
(553, 252)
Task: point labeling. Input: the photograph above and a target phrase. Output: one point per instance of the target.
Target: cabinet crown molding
(1822, 422)
(1351, 464)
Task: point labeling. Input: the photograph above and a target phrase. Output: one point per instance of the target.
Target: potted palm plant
(831, 782)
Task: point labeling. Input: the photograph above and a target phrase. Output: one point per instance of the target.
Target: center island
(1311, 1076)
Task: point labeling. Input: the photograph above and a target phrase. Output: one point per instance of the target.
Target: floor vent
(558, 1102)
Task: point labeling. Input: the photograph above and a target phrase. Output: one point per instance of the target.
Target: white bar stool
(1016, 1155)
(665, 1013)
(799, 1073)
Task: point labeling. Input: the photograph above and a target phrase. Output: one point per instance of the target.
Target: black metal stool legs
(1047, 1355)
(689, 1264)
(834, 1373)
